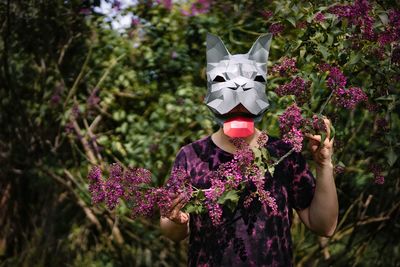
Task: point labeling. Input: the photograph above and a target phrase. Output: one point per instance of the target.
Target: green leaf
(228, 196)
(324, 51)
(323, 137)
(200, 195)
(387, 98)
(333, 131)
(354, 58)
(194, 208)
(271, 169)
(391, 157)
(292, 21)
(257, 152)
(384, 18)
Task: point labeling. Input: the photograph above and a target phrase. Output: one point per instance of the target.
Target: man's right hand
(175, 214)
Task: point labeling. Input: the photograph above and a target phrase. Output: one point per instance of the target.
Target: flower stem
(326, 102)
(283, 157)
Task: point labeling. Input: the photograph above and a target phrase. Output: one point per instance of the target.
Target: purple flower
(324, 67)
(93, 99)
(294, 137)
(174, 54)
(113, 187)
(291, 118)
(116, 4)
(276, 28)
(197, 8)
(339, 169)
(96, 185)
(297, 87)
(290, 123)
(382, 125)
(336, 78)
(318, 124)
(262, 139)
(166, 3)
(287, 67)
(357, 14)
(215, 213)
(377, 171)
(319, 17)
(267, 14)
(385, 38)
(69, 127)
(200, 7)
(301, 24)
(75, 111)
(248, 200)
(135, 21)
(268, 201)
(349, 98)
(56, 97)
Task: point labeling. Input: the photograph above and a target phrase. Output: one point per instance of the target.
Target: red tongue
(239, 127)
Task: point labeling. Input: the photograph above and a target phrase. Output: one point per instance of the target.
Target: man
(253, 235)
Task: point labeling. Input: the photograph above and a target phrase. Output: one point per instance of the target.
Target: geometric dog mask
(237, 79)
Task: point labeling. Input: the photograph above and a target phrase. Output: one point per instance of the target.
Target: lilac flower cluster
(319, 17)
(267, 14)
(357, 14)
(318, 124)
(336, 78)
(56, 96)
(297, 87)
(290, 123)
(133, 187)
(113, 186)
(96, 185)
(392, 31)
(286, 68)
(197, 8)
(93, 98)
(167, 4)
(349, 98)
(301, 24)
(276, 28)
(377, 171)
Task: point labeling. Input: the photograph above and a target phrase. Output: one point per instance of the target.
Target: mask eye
(259, 78)
(219, 79)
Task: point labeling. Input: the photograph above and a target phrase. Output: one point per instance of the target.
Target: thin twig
(283, 157)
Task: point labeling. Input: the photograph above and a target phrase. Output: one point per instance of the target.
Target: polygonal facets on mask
(237, 79)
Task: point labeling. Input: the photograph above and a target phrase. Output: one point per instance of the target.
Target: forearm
(172, 230)
(323, 213)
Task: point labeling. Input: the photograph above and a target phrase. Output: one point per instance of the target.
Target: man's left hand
(322, 153)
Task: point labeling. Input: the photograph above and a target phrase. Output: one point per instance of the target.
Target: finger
(328, 128)
(178, 206)
(177, 200)
(313, 137)
(184, 217)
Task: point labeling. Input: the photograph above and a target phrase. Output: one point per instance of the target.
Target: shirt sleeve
(302, 186)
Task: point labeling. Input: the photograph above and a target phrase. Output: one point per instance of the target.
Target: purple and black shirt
(248, 236)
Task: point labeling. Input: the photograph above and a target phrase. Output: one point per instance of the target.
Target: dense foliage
(75, 93)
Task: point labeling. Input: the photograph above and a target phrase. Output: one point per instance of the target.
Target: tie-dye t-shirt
(247, 236)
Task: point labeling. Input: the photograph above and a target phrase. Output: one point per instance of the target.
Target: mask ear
(216, 49)
(260, 49)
